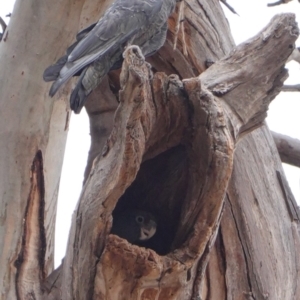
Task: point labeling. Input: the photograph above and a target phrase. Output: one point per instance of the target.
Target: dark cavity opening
(159, 188)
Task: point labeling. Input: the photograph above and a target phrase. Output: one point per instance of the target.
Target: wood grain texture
(168, 147)
(30, 122)
(263, 223)
(193, 113)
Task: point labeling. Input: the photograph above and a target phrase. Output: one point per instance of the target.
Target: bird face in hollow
(134, 225)
(147, 224)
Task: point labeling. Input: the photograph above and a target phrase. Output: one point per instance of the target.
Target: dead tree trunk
(32, 142)
(170, 152)
(173, 143)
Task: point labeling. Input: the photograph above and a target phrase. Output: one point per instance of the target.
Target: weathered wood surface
(259, 238)
(161, 123)
(201, 123)
(288, 148)
(136, 121)
(204, 24)
(31, 125)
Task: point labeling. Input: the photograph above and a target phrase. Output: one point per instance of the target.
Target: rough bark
(168, 149)
(204, 24)
(196, 115)
(136, 121)
(288, 148)
(257, 233)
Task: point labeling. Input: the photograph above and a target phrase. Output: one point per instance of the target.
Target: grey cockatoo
(134, 225)
(98, 48)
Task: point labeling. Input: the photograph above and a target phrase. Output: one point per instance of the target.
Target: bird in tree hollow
(134, 225)
(98, 48)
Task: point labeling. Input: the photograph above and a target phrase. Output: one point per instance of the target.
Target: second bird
(134, 225)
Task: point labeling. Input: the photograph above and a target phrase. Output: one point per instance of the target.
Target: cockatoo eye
(140, 219)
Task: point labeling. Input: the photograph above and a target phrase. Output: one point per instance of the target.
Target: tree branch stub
(253, 73)
(288, 148)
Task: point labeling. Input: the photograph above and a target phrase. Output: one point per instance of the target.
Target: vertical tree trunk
(111, 261)
(32, 142)
(169, 149)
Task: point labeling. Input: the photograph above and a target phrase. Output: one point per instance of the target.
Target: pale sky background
(283, 115)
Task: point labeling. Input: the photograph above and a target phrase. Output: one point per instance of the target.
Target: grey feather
(99, 47)
(53, 72)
